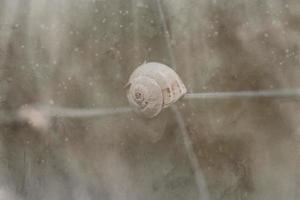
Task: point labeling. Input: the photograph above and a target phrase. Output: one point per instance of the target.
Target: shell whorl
(145, 95)
(152, 87)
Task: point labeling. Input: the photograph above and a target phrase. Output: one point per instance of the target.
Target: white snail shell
(152, 87)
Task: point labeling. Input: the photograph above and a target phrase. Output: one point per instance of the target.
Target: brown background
(80, 53)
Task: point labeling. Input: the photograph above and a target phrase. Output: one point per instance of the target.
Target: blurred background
(80, 54)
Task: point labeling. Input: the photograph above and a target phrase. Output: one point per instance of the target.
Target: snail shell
(152, 87)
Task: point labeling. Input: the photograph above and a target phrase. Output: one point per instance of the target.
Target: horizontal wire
(54, 111)
(44, 112)
(39, 116)
(280, 93)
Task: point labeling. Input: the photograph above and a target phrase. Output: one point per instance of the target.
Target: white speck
(35, 117)
(266, 35)
(43, 26)
(104, 20)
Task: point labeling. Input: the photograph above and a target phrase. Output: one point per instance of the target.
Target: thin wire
(200, 178)
(166, 34)
(280, 93)
(56, 111)
(52, 111)
(39, 116)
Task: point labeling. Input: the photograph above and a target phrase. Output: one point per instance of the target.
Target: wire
(200, 179)
(199, 176)
(53, 111)
(280, 93)
(166, 34)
